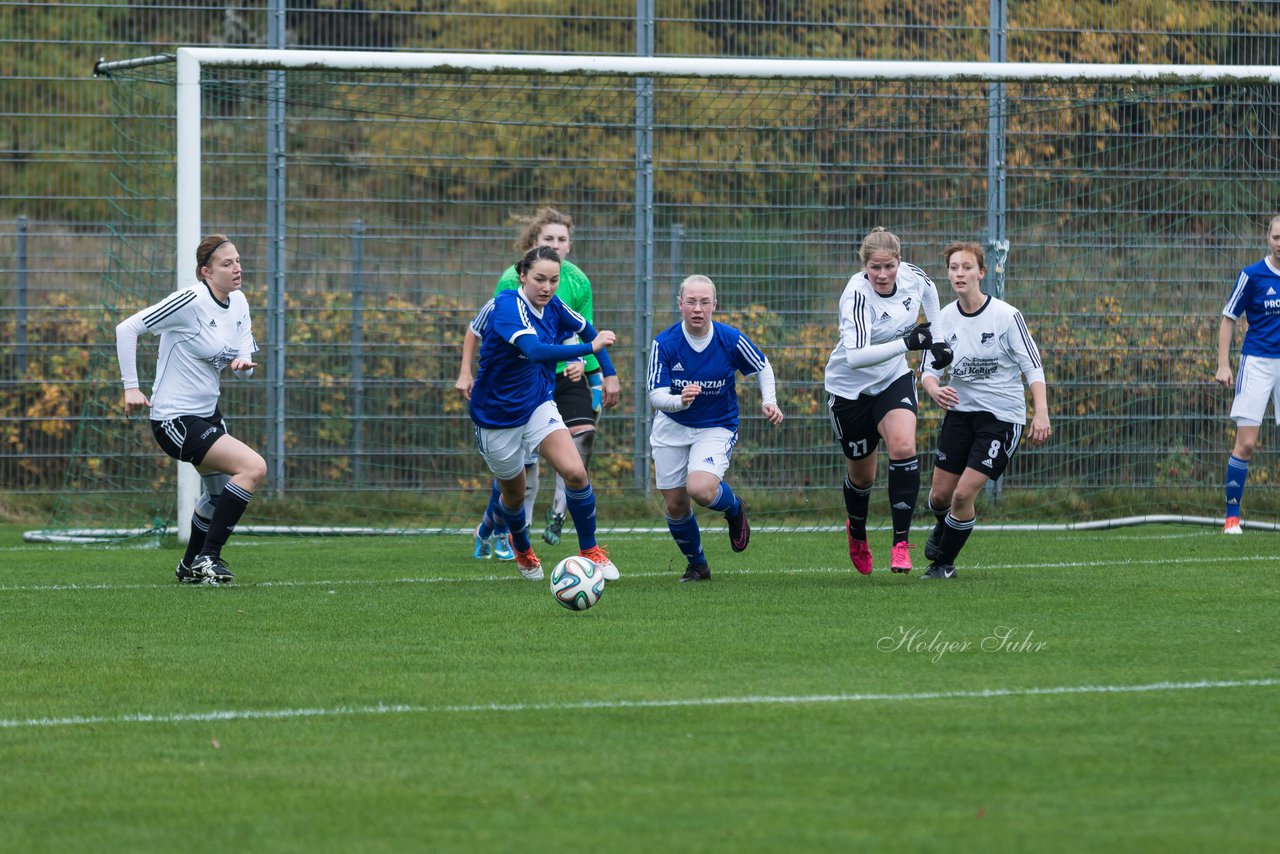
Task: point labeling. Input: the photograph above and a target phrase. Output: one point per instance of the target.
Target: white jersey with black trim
(199, 336)
(994, 351)
(871, 354)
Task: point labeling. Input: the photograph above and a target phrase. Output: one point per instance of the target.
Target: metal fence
(61, 174)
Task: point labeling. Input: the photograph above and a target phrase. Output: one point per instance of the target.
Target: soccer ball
(576, 583)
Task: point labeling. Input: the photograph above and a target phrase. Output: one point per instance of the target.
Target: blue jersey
(674, 364)
(508, 386)
(1257, 296)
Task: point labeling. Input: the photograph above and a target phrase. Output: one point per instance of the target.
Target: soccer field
(1114, 690)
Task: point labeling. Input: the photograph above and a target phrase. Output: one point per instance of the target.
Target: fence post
(276, 201)
(357, 352)
(22, 297)
(643, 243)
(997, 201)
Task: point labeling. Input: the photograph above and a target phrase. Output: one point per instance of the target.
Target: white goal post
(191, 61)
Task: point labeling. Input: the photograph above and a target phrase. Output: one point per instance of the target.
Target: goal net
(1126, 207)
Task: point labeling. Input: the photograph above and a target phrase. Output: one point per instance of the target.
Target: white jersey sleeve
(871, 353)
(768, 385)
(1024, 350)
(248, 343)
(170, 313)
(928, 295)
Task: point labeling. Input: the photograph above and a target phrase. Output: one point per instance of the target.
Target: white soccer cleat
(600, 558)
(1232, 526)
(529, 565)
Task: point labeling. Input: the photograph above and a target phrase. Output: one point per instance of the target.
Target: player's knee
(962, 500)
(677, 508)
(900, 448)
(206, 505)
(575, 477)
(254, 471)
(703, 493)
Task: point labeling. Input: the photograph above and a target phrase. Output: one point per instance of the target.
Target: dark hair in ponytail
(537, 253)
(204, 252)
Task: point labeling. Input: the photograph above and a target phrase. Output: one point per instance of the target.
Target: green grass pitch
(1114, 690)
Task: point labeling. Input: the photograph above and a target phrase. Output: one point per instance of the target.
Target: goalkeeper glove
(918, 338)
(942, 355)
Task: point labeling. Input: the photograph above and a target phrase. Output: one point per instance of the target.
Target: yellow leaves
(51, 409)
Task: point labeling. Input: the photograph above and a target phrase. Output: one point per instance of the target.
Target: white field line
(812, 699)
(513, 577)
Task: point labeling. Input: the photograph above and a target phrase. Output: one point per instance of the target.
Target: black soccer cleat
(933, 545)
(697, 572)
(211, 570)
(739, 528)
(184, 574)
(940, 570)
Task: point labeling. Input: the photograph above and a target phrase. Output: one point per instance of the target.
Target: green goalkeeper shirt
(574, 291)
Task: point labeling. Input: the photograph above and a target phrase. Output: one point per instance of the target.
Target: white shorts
(1257, 382)
(678, 450)
(508, 450)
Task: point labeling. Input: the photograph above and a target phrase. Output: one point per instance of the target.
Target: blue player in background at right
(1257, 297)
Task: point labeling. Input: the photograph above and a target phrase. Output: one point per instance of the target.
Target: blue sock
(492, 521)
(515, 524)
(582, 508)
(725, 501)
(1237, 474)
(687, 536)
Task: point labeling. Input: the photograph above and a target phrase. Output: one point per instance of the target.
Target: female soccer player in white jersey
(513, 406)
(691, 383)
(1257, 296)
(871, 390)
(986, 409)
(202, 329)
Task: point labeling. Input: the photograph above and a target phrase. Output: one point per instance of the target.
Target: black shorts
(976, 440)
(189, 437)
(856, 422)
(573, 399)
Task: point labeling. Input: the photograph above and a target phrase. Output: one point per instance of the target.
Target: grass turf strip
(536, 728)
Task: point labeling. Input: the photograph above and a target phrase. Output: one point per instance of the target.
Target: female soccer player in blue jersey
(582, 390)
(512, 400)
(1257, 297)
(692, 366)
(202, 329)
(984, 401)
(872, 390)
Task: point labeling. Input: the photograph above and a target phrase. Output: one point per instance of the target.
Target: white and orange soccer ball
(576, 583)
